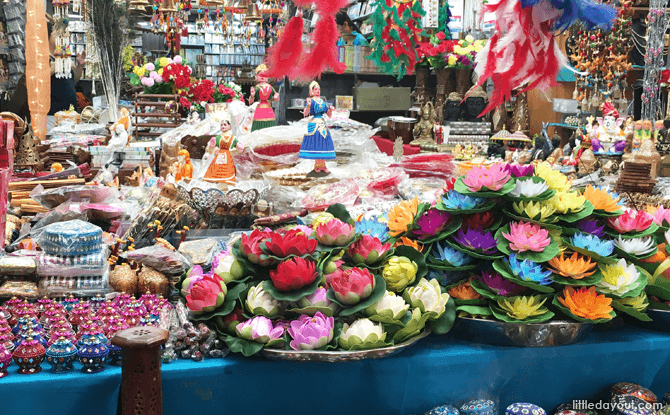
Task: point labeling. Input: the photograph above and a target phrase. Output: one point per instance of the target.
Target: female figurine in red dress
(264, 116)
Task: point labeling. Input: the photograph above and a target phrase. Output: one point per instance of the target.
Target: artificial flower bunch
(164, 76)
(335, 285)
(200, 93)
(463, 54)
(434, 52)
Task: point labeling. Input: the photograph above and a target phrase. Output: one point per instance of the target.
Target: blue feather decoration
(593, 15)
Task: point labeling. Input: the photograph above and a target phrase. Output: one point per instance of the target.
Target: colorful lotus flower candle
(464, 291)
(591, 227)
(373, 227)
(660, 214)
(528, 188)
(261, 302)
(555, 179)
(250, 247)
(521, 170)
(450, 256)
(619, 279)
(259, 329)
(389, 305)
(399, 272)
(500, 285)
(431, 223)
(491, 178)
(362, 333)
(576, 266)
(293, 242)
(631, 221)
(521, 308)
(207, 294)
(352, 285)
(592, 243)
(310, 333)
(528, 270)
(601, 199)
(293, 274)
(454, 200)
(480, 219)
(567, 202)
(226, 266)
(477, 240)
(335, 233)
(318, 299)
(639, 303)
(401, 216)
(586, 303)
(404, 241)
(538, 211)
(427, 297)
(368, 250)
(230, 322)
(524, 236)
(636, 246)
(194, 275)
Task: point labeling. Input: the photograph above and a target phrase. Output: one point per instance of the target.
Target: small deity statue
(193, 118)
(642, 133)
(185, 165)
(424, 130)
(453, 107)
(119, 136)
(264, 116)
(317, 144)
(475, 104)
(557, 154)
(221, 167)
(609, 130)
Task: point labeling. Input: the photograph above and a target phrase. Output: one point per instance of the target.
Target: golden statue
(424, 130)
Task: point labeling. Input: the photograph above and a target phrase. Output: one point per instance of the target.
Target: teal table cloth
(437, 370)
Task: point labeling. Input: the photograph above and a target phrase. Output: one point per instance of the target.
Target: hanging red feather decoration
(284, 54)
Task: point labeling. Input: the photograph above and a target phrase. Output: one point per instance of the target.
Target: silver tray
(499, 333)
(333, 357)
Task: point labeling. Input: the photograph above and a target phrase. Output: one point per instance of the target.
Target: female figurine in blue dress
(317, 143)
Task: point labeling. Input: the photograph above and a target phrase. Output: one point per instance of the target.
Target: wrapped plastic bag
(93, 264)
(161, 259)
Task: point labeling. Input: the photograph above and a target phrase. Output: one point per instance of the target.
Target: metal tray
(499, 333)
(334, 356)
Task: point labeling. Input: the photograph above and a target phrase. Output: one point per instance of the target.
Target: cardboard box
(391, 99)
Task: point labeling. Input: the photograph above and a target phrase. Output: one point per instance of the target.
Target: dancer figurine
(317, 143)
(264, 116)
(221, 167)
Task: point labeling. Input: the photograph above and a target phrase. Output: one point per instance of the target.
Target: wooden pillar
(141, 386)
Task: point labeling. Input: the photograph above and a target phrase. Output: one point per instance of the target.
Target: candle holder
(61, 355)
(92, 354)
(29, 356)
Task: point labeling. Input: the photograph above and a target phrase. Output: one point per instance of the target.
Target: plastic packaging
(72, 266)
(17, 266)
(53, 197)
(160, 258)
(202, 251)
(321, 196)
(427, 189)
(70, 238)
(79, 286)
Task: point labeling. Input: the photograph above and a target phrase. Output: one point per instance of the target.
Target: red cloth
(386, 146)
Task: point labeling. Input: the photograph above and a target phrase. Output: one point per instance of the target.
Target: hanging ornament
(397, 33)
(61, 34)
(288, 51)
(523, 49)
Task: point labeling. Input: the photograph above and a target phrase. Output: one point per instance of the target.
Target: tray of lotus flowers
(337, 290)
(341, 356)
